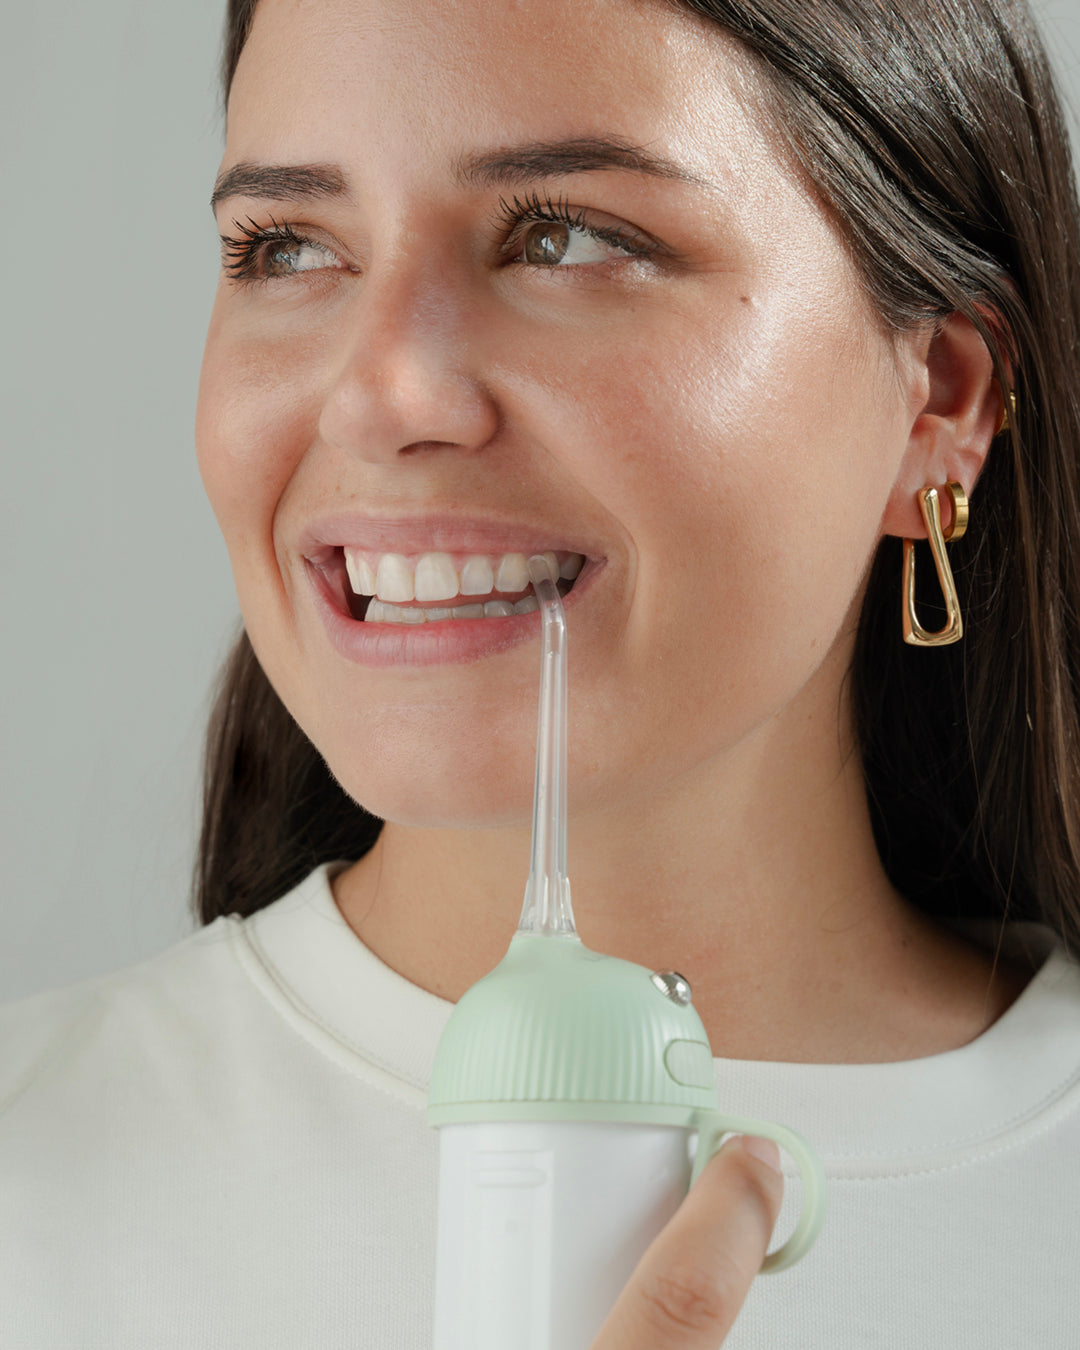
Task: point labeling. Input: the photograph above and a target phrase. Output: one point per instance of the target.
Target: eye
(552, 234)
(558, 244)
(260, 255)
(308, 257)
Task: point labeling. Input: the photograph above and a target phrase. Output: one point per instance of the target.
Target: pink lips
(446, 641)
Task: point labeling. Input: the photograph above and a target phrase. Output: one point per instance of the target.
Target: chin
(433, 767)
(433, 803)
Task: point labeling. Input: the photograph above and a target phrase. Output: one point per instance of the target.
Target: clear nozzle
(547, 893)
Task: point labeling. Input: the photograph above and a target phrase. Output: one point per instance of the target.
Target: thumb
(691, 1283)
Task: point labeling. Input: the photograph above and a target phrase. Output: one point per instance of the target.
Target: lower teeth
(379, 611)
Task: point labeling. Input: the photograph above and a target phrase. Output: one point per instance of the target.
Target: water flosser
(568, 1088)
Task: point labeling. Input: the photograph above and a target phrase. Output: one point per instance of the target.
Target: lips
(453, 641)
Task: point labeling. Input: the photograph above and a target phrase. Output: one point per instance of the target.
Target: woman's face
(680, 380)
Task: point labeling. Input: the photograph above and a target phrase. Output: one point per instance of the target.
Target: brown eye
(546, 242)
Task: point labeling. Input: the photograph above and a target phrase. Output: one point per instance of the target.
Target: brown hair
(932, 131)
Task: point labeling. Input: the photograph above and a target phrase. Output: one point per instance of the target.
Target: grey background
(115, 588)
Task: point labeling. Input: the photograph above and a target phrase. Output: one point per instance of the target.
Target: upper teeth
(436, 576)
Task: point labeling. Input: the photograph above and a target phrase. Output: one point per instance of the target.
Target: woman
(701, 298)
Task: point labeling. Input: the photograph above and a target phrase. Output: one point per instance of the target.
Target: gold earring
(1008, 413)
(930, 507)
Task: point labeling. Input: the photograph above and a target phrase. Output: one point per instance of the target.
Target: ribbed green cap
(559, 1032)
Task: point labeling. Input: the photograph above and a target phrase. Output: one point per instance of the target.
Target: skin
(725, 422)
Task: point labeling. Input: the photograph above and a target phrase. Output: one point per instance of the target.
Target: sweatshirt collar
(863, 1119)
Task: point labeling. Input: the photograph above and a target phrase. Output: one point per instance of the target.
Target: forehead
(367, 76)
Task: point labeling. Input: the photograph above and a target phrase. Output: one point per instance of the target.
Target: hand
(689, 1286)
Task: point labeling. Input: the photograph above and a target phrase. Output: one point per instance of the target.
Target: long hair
(934, 136)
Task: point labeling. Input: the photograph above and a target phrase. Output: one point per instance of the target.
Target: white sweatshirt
(226, 1146)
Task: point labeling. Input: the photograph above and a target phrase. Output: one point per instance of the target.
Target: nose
(406, 379)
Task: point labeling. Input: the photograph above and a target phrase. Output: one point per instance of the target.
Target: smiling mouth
(492, 603)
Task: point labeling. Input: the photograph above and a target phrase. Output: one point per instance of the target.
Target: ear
(958, 406)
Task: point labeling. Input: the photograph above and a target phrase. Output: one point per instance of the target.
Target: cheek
(730, 441)
(254, 422)
(745, 456)
(776, 480)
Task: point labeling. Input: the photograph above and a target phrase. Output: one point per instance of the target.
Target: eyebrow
(280, 182)
(512, 167)
(549, 159)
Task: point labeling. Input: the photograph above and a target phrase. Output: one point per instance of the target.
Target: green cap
(559, 1032)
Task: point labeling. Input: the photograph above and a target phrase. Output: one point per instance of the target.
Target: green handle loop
(712, 1126)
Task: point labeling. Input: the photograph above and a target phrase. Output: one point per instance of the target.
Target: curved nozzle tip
(540, 569)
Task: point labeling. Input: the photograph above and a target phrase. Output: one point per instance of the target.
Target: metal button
(673, 986)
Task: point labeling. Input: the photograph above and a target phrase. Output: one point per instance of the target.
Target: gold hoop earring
(930, 507)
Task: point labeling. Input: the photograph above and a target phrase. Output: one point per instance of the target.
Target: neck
(756, 878)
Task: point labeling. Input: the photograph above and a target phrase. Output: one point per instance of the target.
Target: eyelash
(515, 215)
(241, 256)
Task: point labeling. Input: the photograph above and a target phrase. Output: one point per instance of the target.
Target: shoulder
(137, 1011)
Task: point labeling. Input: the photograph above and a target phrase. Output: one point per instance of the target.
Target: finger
(689, 1286)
